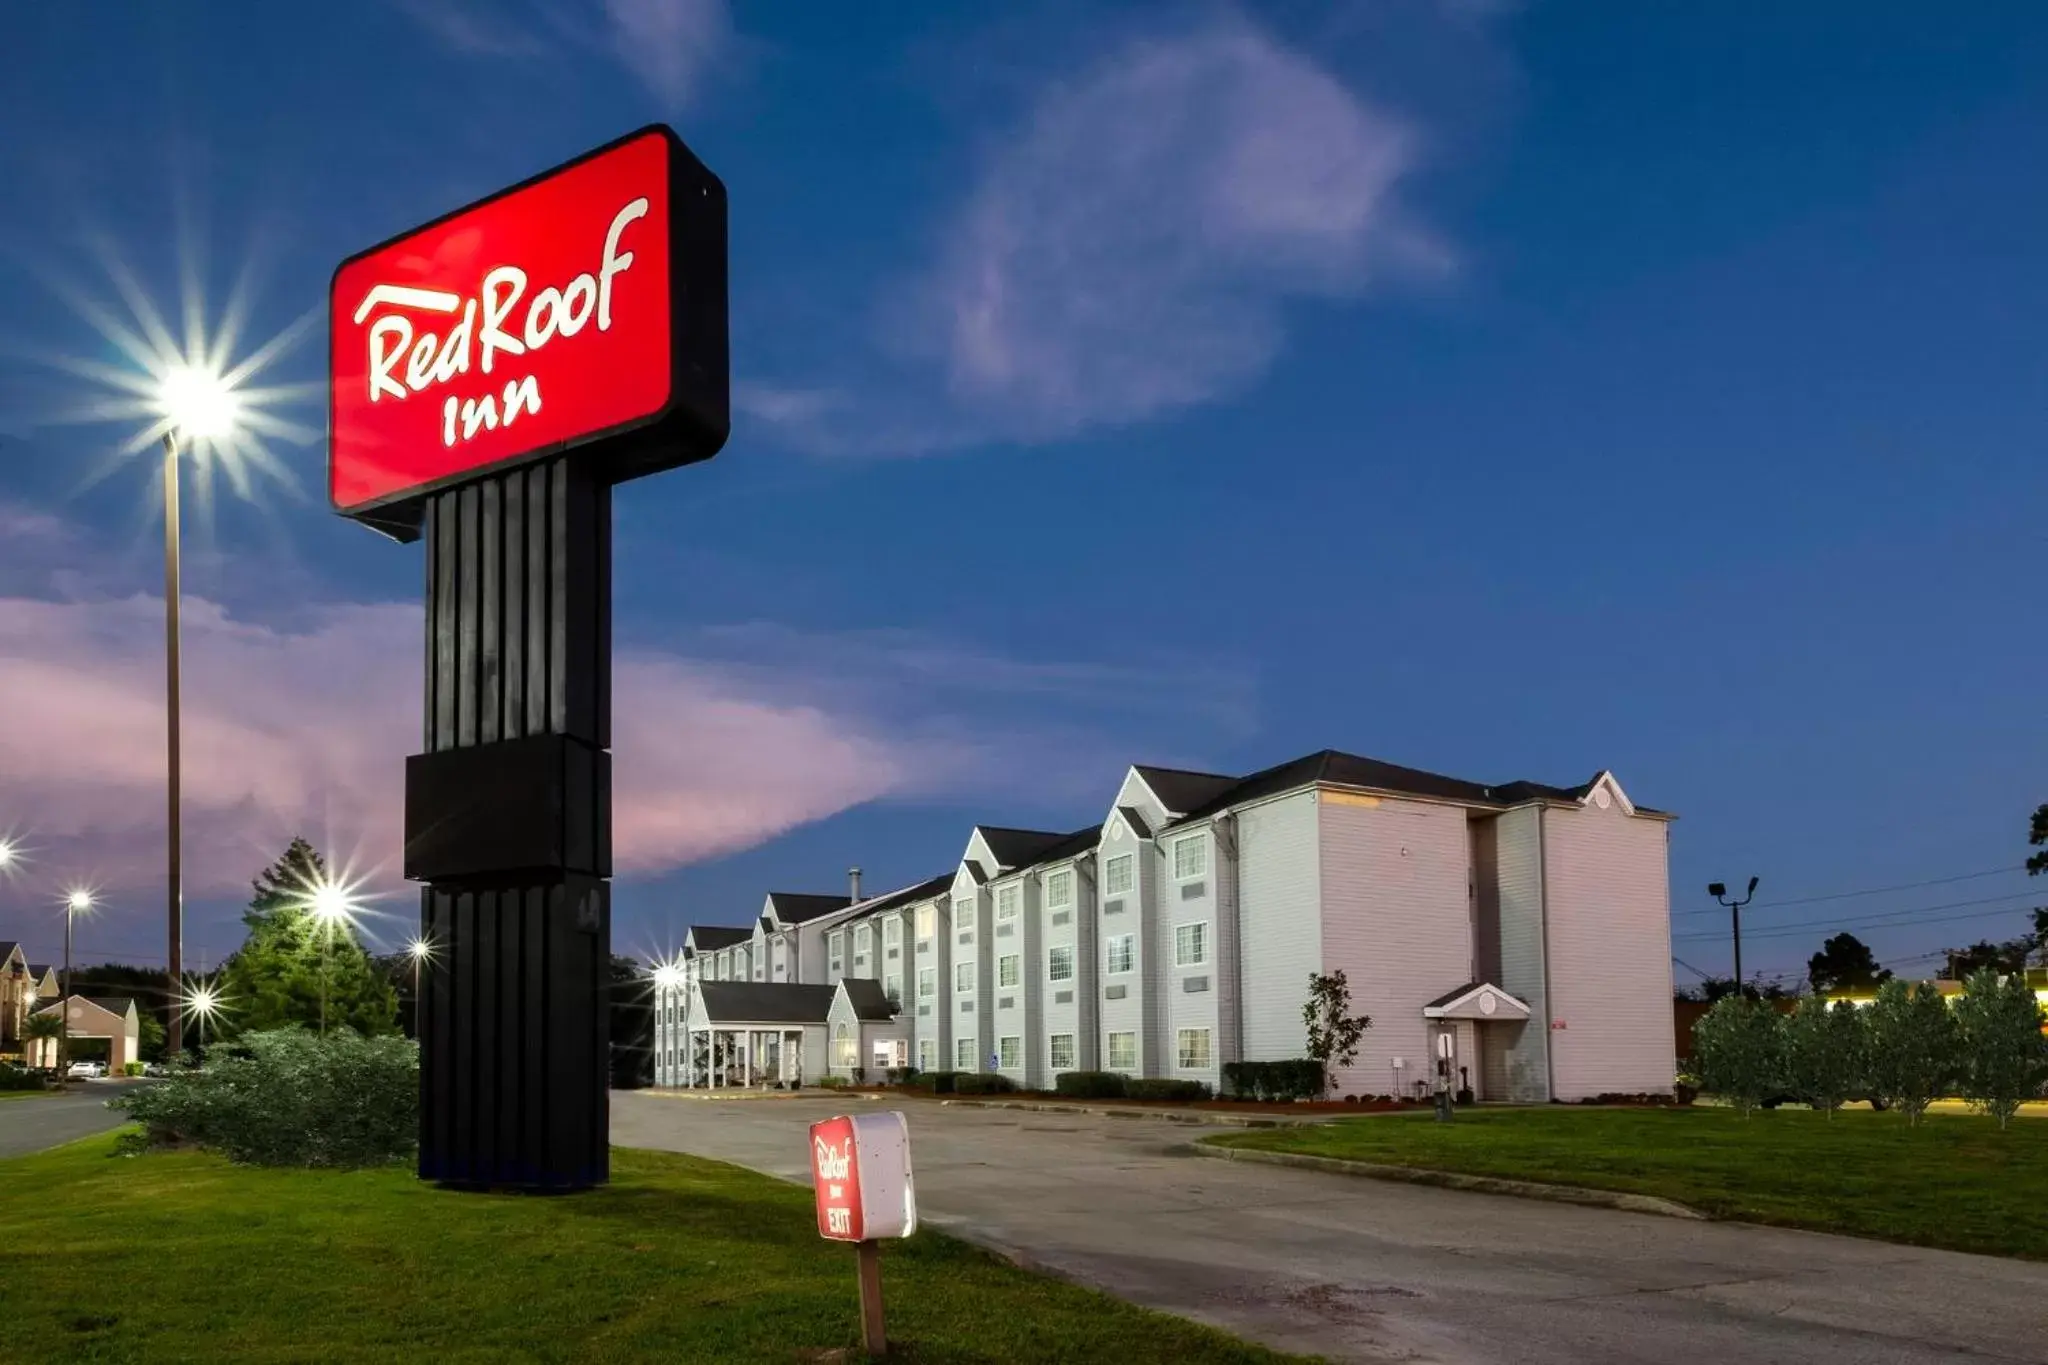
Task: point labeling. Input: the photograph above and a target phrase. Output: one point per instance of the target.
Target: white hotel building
(1529, 923)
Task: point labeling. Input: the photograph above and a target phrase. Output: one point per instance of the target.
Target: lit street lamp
(1720, 893)
(421, 951)
(330, 903)
(76, 903)
(7, 854)
(202, 1001)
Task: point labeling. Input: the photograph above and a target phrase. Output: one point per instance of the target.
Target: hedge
(982, 1083)
(1299, 1078)
(1165, 1088)
(1089, 1085)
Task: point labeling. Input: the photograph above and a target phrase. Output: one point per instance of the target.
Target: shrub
(1739, 1048)
(1162, 1088)
(860, 1074)
(131, 1068)
(1089, 1085)
(2005, 1056)
(291, 1098)
(982, 1083)
(1296, 1079)
(834, 1082)
(14, 1077)
(902, 1075)
(1915, 1047)
(1826, 1053)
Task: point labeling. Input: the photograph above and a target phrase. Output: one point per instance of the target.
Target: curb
(1454, 1180)
(1223, 1119)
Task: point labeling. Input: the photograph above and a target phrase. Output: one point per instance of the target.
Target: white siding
(1518, 858)
(1396, 920)
(1187, 901)
(1116, 916)
(1610, 951)
(929, 1011)
(1015, 1009)
(1279, 890)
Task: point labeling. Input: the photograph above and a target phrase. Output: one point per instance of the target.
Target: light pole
(419, 950)
(76, 903)
(331, 904)
(1720, 893)
(202, 1000)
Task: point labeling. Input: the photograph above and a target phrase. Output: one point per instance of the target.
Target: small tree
(1738, 1048)
(1845, 963)
(42, 1027)
(2004, 1055)
(1333, 1031)
(1915, 1047)
(1826, 1050)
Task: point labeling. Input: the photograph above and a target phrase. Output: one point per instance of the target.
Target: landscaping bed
(181, 1256)
(1956, 1182)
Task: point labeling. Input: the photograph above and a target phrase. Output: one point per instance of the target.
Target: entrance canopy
(1480, 1001)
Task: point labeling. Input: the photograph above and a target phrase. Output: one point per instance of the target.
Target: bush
(902, 1075)
(1739, 1048)
(2005, 1056)
(834, 1082)
(1915, 1047)
(291, 1098)
(860, 1074)
(1300, 1078)
(14, 1077)
(1162, 1088)
(1826, 1053)
(131, 1068)
(1089, 1085)
(982, 1083)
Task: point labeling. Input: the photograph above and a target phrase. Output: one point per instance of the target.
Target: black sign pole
(508, 815)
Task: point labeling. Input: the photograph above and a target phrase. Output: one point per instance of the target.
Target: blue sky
(1508, 390)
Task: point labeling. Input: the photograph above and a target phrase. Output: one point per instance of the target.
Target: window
(963, 914)
(863, 939)
(1061, 1051)
(1190, 857)
(1006, 902)
(845, 1052)
(1194, 1049)
(1059, 889)
(963, 976)
(892, 932)
(963, 1054)
(927, 1054)
(927, 920)
(1190, 945)
(892, 986)
(1123, 1052)
(835, 947)
(1116, 875)
(1009, 1053)
(1122, 952)
(1009, 970)
(927, 982)
(1059, 963)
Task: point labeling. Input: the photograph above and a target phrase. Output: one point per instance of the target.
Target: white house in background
(1528, 923)
(113, 1018)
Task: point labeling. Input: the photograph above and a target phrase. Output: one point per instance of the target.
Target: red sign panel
(835, 1172)
(581, 305)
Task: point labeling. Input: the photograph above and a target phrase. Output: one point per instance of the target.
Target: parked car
(87, 1069)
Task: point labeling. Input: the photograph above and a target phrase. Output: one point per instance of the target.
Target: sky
(1507, 390)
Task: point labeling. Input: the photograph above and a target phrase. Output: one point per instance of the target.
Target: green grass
(1954, 1182)
(184, 1257)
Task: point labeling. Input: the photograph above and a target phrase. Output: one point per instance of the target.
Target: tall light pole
(76, 903)
(1720, 893)
(331, 904)
(419, 950)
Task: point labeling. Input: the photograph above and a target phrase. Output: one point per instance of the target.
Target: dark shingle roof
(793, 907)
(1069, 846)
(1016, 847)
(112, 1004)
(765, 1002)
(870, 1002)
(896, 900)
(709, 938)
(1448, 996)
(1181, 791)
(1135, 820)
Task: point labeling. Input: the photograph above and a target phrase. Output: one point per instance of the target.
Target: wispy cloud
(1130, 248)
(667, 45)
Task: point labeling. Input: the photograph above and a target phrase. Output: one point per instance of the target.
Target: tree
(1845, 963)
(631, 1009)
(1333, 1031)
(1826, 1050)
(2004, 1055)
(2037, 837)
(2002, 958)
(276, 978)
(42, 1027)
(1738, 1048)
(1914, 1047)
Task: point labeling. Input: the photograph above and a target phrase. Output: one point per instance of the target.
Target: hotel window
(963, 976)
(1117, 875)
(1059, 963)
(836, 950)
(892, 986)
(963, 1055)
(1006, 902)
(927, 1054)
(1122, 1052)
(927, 982)
(1059, 889)
(1061, 1051)
(845, 1053)
(1194, 1049)
(927, 920)
(1010, 1053)
(1122, 953)
(892, 932)
(1009, 970)
(1191, 945)
(1190, 857)
(963, 914)
(863, 939)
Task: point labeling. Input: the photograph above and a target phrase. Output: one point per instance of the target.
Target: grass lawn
(1954, 1182)
(183, 1257)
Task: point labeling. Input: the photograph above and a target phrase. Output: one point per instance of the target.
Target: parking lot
(1364, 1270)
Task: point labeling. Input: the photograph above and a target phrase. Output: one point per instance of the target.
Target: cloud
(1130, 248)
(667, 45)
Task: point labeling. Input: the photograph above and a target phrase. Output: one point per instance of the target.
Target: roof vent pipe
(853, 883)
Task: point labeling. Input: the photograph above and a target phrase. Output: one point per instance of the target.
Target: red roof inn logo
(860, 1168)
(576, 306)
(837, 1179)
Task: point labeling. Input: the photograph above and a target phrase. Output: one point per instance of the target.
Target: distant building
(1529, 923)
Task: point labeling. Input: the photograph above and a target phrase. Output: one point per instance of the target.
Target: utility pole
(1720, 893)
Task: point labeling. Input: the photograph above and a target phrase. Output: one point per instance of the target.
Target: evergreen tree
(2005, 1056)
(1738, 1048)
(276, 978)
(1915, 1047)
(1826, 1052)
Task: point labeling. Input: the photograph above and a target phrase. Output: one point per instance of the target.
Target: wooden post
(872, 1339)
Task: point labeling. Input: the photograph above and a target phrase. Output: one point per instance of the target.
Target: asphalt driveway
(1365, 1270)
(39, 1121)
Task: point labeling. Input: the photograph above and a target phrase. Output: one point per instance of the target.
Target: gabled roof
(897, 899)
(1070, 846)
(1180, 790)
(765, 1002)
(870, 1002)
(1014, 848)
(709, 938)
(794, 907)
(112, 1004)
(7, 947)
(1135, 820)
(1480, 1000)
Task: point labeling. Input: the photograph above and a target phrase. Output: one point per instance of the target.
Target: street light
(203, 1001)
(76, 902)
(199, 402)
(1719, 892)
(331, 903)
(421, 951)
(7, 854)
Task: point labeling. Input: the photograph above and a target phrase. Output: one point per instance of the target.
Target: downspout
(1549, 1004)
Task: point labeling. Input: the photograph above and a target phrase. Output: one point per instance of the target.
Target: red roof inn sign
(582, 305)
(860, 1168)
